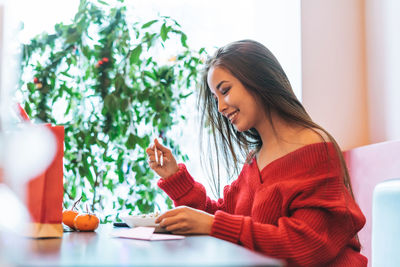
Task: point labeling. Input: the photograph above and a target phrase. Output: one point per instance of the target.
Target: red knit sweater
(296, 208)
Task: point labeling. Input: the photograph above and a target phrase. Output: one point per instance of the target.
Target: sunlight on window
(41, 15)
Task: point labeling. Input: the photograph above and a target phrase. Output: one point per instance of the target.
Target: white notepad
(144, 233)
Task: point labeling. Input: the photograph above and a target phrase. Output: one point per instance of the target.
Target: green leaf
(86, 51)
(169, 203)
(119, 82)
(73, 38)
(135, 54)
(183, 40)
(148, 24)
(150, 75)
(88, 173)
(65, 73)
(164, 32)
(131, 142)
(73, 192)
(121, 177)
(28, 109)
(185, 96)
(111, 103)
(84, 197)
(103, 2)
(31, 87)
(144, 142)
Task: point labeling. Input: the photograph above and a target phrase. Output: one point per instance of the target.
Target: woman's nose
(221, 105)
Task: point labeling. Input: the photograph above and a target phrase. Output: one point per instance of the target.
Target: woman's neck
(275, 131)
(280, 137)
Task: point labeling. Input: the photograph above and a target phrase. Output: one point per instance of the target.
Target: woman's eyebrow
(220, 83)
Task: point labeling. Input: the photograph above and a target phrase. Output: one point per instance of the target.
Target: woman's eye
(225, 90)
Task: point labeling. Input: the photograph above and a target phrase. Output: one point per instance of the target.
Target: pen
(155, 147)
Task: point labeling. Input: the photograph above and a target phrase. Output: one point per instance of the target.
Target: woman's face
(234, 101)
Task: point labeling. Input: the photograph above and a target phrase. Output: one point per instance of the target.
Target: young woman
(293, 198)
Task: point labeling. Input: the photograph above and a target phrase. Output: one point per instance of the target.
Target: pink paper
(145, 233)
(159, 237)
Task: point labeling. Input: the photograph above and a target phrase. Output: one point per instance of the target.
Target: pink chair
(368, 166)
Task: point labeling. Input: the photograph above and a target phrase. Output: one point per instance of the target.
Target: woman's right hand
(169, 165)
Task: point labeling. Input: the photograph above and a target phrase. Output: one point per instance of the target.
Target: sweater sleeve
(184, 190)
(313, 233)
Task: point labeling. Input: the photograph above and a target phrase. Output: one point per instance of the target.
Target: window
(209, 24)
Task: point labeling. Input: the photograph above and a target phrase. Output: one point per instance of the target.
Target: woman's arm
(185, 191)
(177, 182)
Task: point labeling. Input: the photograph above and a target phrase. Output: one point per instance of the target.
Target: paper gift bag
(45, 194)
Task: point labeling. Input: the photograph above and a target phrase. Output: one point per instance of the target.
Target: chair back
(368, 166)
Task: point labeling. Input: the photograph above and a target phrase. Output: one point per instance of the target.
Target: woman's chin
(239, 128)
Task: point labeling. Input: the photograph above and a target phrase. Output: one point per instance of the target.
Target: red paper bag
(45, 194)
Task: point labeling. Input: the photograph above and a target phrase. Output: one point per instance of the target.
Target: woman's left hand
(186, 220)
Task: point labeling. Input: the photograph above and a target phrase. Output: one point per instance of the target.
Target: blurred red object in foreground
(45, 194)
(23, 113)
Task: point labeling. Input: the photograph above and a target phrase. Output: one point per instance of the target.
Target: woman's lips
(232, 116)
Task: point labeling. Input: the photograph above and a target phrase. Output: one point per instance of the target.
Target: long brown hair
(262, 75)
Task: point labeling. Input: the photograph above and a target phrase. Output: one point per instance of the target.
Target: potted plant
(102, 78)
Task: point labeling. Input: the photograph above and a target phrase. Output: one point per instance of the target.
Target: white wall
(383, 68)
(351, 66)
(333, 65)
(9, 57)
(1, 56)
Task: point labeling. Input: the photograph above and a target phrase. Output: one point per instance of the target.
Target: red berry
(105, 59)
(100, 62)
(36, 80)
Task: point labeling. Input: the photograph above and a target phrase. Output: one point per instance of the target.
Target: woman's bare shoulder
(311, 136)
(298, 139)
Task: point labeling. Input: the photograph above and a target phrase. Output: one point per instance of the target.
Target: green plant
(104, 73)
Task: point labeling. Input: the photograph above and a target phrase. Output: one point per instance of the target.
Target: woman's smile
(232, 116)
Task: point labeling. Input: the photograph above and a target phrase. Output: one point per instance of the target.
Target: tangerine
(68, 217)
(86, 222)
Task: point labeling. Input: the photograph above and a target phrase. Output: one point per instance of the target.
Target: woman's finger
(169, 221)
(177, 227)
(161, 147)
(182, 232)
(165, 222)
(153, 156)
(169, 214)
(150, 150)
(153, 165)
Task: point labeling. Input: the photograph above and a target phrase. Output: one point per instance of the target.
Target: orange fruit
(68, 217)
(86, 222)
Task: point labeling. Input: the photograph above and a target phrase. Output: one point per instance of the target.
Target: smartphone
(120, 224)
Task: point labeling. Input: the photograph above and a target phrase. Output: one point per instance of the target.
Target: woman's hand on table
(186, 220)
(164, 164)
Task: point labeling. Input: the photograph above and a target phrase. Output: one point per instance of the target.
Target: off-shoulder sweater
(296, 208)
